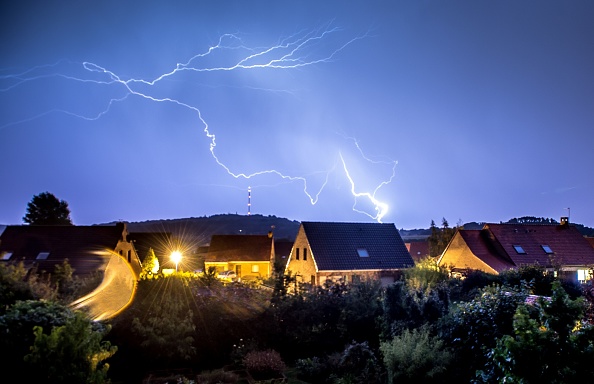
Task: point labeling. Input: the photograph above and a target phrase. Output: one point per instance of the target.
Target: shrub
(217, 377)
(415, 356)
(264, 363)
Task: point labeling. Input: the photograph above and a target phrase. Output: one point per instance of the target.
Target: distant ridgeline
(202, 228)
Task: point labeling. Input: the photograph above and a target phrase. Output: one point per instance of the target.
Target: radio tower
(249, 201)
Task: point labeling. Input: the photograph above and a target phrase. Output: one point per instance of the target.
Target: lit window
(583, 275)
(362, 252)
(42, 255)
(6, 255)
(255, 268)
(547, 249)
(519, 249)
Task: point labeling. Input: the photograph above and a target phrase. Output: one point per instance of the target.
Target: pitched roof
(226, 248)
(479, 245)
(335, 246)
(418, 249)
(160, 242)
(568, 245)
(282, 248)
(85, 247)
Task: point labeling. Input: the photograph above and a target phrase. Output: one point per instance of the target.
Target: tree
(440, 237)
(47, 209)
(150, 265)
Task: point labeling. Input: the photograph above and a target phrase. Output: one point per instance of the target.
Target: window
(583, 275)
(6, 255)
(296, 253)
(547, 249)
(519, 249)
(255, 268)
(362, 252)
(42, 255)
(304, 253)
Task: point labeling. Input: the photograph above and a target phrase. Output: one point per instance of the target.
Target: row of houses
(321, 251)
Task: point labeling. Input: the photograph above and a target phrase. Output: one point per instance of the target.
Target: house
(498, 247)
(418, 250)
(246, 255)
(349, 251)
(87, 248)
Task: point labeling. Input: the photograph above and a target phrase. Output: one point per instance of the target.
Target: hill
(200, 229)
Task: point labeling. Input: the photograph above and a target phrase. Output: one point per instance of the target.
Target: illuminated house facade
(87, 248)
(349, 252)
(246, 255)
(498, 247)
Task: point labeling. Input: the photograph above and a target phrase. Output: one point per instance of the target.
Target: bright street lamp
(176, 257)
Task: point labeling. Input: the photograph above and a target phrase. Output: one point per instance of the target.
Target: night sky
(399, 111)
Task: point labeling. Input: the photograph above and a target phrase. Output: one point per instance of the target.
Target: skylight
(519, 249)
(362, 252)
(547, 249)
(42, 255)
(6, 255)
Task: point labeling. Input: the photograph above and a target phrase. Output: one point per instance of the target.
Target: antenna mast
(249, 201)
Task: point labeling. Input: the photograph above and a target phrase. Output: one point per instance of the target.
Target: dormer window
(6, 256)
(547, 249)
(519, 249)
(42, 255)
(362, 252)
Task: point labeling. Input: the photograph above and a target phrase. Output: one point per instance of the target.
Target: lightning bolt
(381, 208)
(299, 50)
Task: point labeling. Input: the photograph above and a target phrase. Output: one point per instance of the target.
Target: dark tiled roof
(334, 246)
(282, 248)
(160, 242)
(225, 248)
(85, 247)
(567, 243)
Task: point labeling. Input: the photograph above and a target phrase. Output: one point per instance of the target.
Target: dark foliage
(47, 209)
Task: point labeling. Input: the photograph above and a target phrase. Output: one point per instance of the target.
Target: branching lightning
(294, 52)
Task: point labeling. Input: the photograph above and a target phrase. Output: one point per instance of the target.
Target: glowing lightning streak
(380, 207)
(288, 54)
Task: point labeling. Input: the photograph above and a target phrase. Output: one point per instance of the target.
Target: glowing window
(547, 249)
(519, 249)
(255, 268)
(362, 252)
(583, 275)
(6, 255)
(42, 255)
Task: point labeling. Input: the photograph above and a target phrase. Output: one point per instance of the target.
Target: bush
(264, 364)
(217, 377)
(415, 357)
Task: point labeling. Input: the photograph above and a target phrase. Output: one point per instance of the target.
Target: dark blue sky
(468, 110)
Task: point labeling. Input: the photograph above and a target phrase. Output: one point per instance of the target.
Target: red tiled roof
(567, 243)
(418, 249)
(478, 245)
(226, 248)
(85, 247)
(334, 246)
